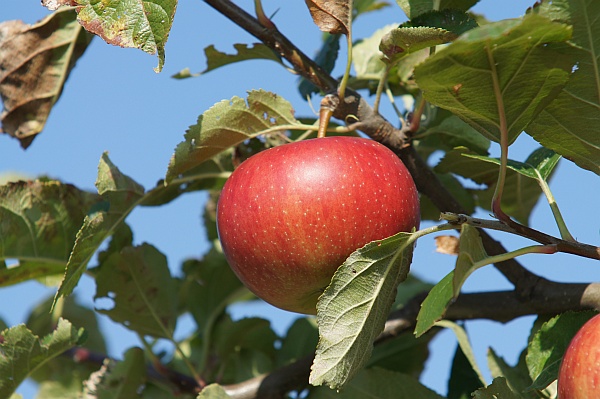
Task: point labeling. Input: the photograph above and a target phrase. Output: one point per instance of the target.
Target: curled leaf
(331, 16)
(35, 62)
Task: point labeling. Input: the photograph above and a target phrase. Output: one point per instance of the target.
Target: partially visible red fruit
(579, 375)
(289, 216)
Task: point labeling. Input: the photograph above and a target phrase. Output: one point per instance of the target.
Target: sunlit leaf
(353, 309)
(144, 294)
(35, 62)
(120, 194)
(405, 40)
(414, 8)
(21, 352)
(548, 344)
(470, 252)
(226, 124)
(39, 221)
(570, 125)
(216, 59)
(213, 391)
(500, 75)
(144, 25)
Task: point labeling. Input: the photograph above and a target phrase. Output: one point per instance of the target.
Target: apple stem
(325, 113)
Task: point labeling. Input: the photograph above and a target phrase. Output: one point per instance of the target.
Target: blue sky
(115, 102)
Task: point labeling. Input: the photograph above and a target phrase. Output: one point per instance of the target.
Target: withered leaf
(331, 16)
(448, 245)
(35, 62)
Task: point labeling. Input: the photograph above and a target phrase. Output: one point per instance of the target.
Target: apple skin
(289, 216)
(579, 374)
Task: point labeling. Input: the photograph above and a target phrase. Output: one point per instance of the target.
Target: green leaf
(210, 285)
(244, 348)
(301, 340)
(413, 351)
(144, 294)
(21, 352)
(517, 377)
(569, 125)
(378, 384)
(465, 197)
(120, 194)
(498, 389)
(470, 252)
(35, 62)
(366, 56)
(67, 388)
(521, 194)
(325, 58)
(213, 391)
(463, 379)
(500, 75)
(539, 165)
(226, 124)
(216, 59)
(450, 19)
(548, 344)
(405, 40)
(361, 7)
(450, 133)
(144, 25)
(435, 304)
(352, 311)
(465, 345)
(118, 380)
(39, 221)
(414, 8)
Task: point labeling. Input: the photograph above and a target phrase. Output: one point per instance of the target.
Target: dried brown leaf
(448, 245)
(35, 62)
(331, 16)
(54, 5)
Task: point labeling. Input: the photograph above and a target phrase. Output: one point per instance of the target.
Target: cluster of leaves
(488, 83)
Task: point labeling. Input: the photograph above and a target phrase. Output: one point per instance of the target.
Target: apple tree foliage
(474, 84)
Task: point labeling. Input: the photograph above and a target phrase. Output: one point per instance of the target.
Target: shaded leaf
(118, 380)
(569, 125)
(500, 75)
(39, 221)
(325, 58)
(450, 133)
(300, 340)
(471, 251)
(379, 384)
(120, 194)
(361, 7)
(465, 345)
(463, 379)
(144, 294)
(216, 59)
(226, 124)
(354, 307)
(517, 377)
(21, 352)
(497, 389)
(548, 344)
(332, 16)
(35, 62)
(366, 56)
(465, 197)
(521, 194)
(144, 25)
(435, 304)
(413, 351)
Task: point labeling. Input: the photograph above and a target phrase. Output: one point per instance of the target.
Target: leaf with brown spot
(35, 62)
(331, 16)
(448, 245)
(144, 25)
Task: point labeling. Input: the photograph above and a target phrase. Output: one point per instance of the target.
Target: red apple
(579, 374)
(289, 216)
